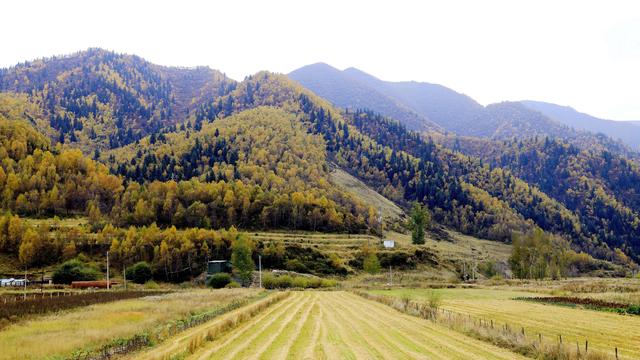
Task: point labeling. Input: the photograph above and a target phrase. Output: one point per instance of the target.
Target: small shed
(389, 244)
(218, 266)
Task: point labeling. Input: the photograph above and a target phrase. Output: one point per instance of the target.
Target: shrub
(488, 269)
(299, 282)
(232, 285)
(139, 273)
(296, 265)
(74, 270)
(434, 300)
(633, 309)
(219, 280)
(151, 285)
(269, 281)
(328, 283)
(314, 283)
(371, 264)
(284, 281)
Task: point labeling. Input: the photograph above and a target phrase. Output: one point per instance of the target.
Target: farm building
(218, 266)
(100, 284)
(13, 282)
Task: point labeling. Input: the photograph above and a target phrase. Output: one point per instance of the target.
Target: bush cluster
(74, 270)
(139, 273)
(270, 281)
(219, 280)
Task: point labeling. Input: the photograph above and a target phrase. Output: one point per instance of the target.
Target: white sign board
(389, 244)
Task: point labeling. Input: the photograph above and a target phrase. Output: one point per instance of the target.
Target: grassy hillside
(390, 211)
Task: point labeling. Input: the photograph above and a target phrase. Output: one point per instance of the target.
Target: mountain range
(626, 131)
(133, 143)
(424, 107)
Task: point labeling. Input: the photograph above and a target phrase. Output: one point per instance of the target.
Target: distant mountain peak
(626, 131)
(351, 88)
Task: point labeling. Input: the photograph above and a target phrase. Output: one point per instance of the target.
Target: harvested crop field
(58, 335)
(335, 325)
(603, 331)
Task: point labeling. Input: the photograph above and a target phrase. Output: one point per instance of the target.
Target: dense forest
(255, 154)
(98, 99)
(256, 190)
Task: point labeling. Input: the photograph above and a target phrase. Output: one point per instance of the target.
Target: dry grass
(604, 331)
(460, 247)
(61, 223)
(390, 211)
(95, 325)
(501, 335)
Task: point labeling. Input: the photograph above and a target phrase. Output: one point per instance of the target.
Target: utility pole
(390, 276)
(25, 282)
(260, 269)
(464, 270)
(108, 283)
(124, 274)
(380, 224)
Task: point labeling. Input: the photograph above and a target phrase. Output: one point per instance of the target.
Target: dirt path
(340, 325)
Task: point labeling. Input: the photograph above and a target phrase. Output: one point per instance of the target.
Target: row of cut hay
(502, 336)
(232, 322)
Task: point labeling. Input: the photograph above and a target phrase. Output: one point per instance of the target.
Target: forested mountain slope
(627, 131)
(256, 154)
(275, 177)
(449, 110)
(97, 99)
(460, 191)
(598, 185)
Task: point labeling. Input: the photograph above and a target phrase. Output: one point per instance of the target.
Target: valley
(175, 213)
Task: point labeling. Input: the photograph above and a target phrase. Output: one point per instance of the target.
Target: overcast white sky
(580, 53)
